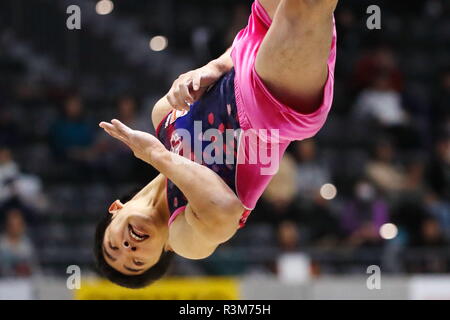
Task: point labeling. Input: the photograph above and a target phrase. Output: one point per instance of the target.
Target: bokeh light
(159, 43)
(328, 191)
(104, 7)
(388, 231)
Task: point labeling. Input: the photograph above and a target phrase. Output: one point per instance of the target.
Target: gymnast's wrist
(156, 154)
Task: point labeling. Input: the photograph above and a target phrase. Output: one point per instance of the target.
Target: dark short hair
(132, 282)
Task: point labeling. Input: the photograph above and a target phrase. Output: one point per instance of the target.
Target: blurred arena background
(372, 189)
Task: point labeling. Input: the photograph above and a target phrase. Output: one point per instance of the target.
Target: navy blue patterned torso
(215, 110)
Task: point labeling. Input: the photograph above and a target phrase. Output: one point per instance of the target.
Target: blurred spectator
(431, 234)
(16, 186)
(380, 102)
(288, 236)
(380, 62)
(415, 184)
(382, 170)
(363, 215)
(430, 242)
(113, 158)
(438, 179)
(128, 112)
(71, 138)
(9, 171)
(319, 223)
(111, 148)
(440, 210)
(311, 173)
(294, 196)
(17, 255)
(71, 135)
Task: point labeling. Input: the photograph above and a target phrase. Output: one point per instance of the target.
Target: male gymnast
(276, 84)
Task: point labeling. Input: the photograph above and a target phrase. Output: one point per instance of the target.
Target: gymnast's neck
(153, 197)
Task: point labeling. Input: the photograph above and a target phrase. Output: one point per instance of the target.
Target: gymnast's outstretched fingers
(113, 132)
(143, 144)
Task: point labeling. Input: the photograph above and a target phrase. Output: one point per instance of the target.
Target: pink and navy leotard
(248, 121)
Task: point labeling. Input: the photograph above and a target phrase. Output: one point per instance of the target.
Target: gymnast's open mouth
(137, 235)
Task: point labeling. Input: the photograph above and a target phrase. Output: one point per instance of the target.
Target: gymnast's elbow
(221, 223)
(220, 234)
(160, 111)
(226, 225)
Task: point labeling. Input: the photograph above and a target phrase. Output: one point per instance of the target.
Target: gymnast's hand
(143, 144)
(191, 86)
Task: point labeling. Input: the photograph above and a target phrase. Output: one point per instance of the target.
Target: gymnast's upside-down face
(133, 242)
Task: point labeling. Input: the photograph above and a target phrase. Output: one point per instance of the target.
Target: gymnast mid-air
(221, 132)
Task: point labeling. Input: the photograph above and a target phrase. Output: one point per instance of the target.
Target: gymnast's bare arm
(214, 211)
(191, 86)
